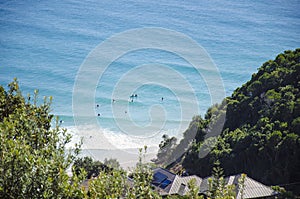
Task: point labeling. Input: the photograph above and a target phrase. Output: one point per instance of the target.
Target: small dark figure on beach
(97, 105)
(99, 114)
(60, 121)
(162, 99)
(135, 95)
(113, 100)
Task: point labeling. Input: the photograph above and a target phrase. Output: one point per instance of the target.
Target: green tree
(108, 185)
(217, 187)
(193, 192)
(166, 148)
(116, 184)
(261, 125)
(142, 177)
(33, 155)
(89, 166)
(112, 163)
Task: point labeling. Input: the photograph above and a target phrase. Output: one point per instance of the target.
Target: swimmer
(162, 99)
(97, 105)
(99, 114)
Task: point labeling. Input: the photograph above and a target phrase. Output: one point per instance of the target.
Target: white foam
(98, 138)
(101, 143)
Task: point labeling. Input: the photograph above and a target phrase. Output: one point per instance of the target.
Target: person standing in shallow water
(162, 99)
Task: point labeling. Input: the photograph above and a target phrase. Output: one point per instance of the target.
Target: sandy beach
(100, 144)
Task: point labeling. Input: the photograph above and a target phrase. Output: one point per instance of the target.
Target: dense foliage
(33, 156)
(260, 136)
(89, 166)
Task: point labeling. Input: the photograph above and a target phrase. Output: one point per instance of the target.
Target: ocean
(45, 44)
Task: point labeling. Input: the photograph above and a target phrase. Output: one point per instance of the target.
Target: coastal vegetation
(260, 135)
(33, 155)
(34, 159)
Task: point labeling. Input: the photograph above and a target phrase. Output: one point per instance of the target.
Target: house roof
(255, 189)
(179, 185)
(164, 175)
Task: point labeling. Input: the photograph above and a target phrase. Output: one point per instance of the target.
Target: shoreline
(126, 157)
(102, 143)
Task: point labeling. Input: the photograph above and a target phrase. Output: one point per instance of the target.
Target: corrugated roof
(204, 185)
(179, 185)
(254, 189)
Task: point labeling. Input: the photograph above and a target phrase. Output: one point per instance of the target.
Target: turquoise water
(44, 43)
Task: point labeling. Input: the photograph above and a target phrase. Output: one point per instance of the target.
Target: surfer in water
(133, 96)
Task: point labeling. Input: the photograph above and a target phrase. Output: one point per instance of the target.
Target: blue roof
(165, 183)
(159, 178)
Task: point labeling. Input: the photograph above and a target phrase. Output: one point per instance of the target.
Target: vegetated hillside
(260, 136)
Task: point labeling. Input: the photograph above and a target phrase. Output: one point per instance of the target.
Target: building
(168, 183)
